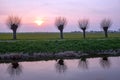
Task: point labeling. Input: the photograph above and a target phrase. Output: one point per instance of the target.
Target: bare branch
(13, 23)
(106, 23)
(60, 22)
(13, 20)
(83, 24)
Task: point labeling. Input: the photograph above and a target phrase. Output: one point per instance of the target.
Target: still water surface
(77, 69)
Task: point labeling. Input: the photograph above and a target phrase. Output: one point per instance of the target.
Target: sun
(39, 22)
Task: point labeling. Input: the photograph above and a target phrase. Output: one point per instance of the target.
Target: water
(76, 69)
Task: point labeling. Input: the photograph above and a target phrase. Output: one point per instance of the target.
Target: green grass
(50, 42)
(53, 46)
(54, 36)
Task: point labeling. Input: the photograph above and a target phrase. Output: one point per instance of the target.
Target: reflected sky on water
(102, 68)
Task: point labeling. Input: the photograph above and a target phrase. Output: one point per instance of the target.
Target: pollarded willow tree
(13, 23)
(60, 22)
(83, 24)
(105, 24)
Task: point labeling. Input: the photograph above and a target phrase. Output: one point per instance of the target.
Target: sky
(47, 10)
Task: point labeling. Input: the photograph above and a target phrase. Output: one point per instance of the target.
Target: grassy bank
(53, 46)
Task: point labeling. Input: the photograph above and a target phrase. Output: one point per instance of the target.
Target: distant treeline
(95, 31)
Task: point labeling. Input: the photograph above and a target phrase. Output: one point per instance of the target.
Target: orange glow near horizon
(39, 22)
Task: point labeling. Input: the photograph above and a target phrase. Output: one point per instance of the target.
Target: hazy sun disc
(39, 22)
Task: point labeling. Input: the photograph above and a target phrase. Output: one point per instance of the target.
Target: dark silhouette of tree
(60, 22)
(13, 22)
(105, 62)
(83, 63)
(14, 69)
(105, 24)
(118, 30)
(83, 24)
(60, 66)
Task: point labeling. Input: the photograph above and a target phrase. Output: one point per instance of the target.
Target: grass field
(50, 42)
(49, 36)
(58, 46)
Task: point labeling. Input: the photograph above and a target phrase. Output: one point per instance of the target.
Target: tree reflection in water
(105, 62)
(83, 63)
(14, 69)
(60, 66)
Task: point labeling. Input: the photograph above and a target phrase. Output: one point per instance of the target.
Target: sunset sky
(46, 11)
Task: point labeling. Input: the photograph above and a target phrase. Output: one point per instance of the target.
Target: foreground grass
(53, 46)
